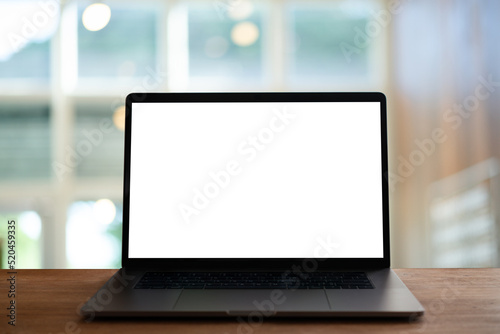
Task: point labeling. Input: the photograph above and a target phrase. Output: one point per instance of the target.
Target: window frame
(52, 197)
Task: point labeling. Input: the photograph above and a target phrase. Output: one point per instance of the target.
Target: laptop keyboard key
(257, 280)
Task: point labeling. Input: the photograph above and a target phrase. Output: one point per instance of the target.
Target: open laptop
(255, 204)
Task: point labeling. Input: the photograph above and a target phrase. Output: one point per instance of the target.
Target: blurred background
(66, 67)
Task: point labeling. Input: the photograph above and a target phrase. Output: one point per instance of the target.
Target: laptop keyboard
(239, 280)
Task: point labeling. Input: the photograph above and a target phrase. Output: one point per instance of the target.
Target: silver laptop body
(226, 191)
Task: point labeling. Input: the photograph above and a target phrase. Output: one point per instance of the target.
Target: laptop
(255, 205)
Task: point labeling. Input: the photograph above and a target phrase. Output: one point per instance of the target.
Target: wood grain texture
(456, 301)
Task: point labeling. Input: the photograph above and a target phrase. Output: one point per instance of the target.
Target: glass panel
(326, 41)
(125, 47)
(93, 234)
(224, 44)
(33, 61)
(28, 228)
(24, 141)
(25, 29)
(99, 144)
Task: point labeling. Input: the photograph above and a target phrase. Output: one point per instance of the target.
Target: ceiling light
(244, 33)
(96, 16)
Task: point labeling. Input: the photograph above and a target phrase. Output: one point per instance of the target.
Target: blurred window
(93, 234)
(25, 30)
(463, 217)
(31, 62)
(204, 44)
(98, 142)
(125, 47)
(225, 42)
(25, 151)
(327, 41)
(28, 240)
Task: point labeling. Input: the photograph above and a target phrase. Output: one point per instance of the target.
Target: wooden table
(456, 301)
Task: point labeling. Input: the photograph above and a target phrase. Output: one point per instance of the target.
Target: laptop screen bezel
(255, 263)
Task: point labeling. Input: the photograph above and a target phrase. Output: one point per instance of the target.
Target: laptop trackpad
(241, 302)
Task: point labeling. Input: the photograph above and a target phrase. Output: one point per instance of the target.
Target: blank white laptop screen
(256, 180)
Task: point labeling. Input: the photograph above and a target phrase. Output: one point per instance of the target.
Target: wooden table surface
(456, 301)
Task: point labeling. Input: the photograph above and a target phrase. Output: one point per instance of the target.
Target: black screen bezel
(255, 263)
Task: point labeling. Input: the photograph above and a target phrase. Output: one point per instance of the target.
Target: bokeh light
(96, 16)
(244, 34)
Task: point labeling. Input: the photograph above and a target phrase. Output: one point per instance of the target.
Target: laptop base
(118, 298)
